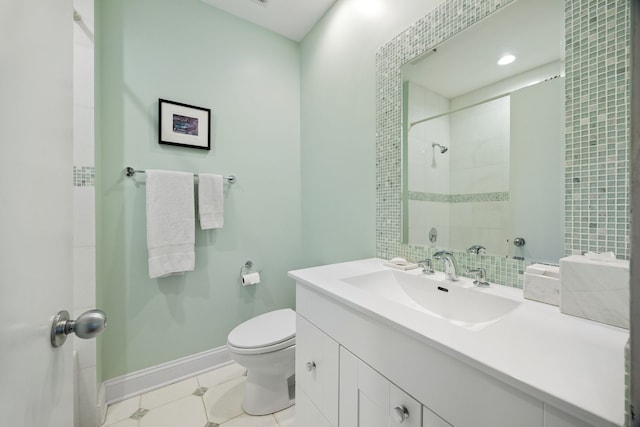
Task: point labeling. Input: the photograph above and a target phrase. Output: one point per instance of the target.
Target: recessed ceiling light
(506, 59)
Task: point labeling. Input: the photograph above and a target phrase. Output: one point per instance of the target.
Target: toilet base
(265, 394)
(270, 385)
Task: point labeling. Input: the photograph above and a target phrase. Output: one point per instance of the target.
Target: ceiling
(532, 30)
(290, 18)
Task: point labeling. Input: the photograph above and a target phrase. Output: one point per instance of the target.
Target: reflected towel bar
(129, 171)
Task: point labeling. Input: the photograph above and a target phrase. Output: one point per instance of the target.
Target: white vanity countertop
(572, 363)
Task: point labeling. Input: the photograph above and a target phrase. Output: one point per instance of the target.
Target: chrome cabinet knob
(311, 366)
(88, 325)
(400, 413)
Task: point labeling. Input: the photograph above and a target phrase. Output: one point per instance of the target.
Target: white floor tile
(186, 412)
(286, 417)
(125, 423)
(122, 410)
(224, 401)
(167, 394)
(174, 405)
(221, 375)
(245, 420)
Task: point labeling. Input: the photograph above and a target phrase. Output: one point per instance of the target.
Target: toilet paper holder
(247, 268)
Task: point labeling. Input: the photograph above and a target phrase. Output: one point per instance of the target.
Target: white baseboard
(135, 383)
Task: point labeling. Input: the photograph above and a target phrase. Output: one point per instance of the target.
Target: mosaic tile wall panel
(598, 98)
(598, 128)
(84, 176)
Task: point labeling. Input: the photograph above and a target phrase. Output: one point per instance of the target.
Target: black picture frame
(184, 125)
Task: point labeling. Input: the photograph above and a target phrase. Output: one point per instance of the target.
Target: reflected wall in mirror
(596, 129)
(483, 142)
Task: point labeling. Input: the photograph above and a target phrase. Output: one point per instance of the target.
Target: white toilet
(265, 345)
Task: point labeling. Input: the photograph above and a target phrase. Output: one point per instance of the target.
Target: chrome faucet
(426, 266)
(450, 265)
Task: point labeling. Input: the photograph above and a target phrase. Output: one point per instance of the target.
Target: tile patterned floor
(212, 399)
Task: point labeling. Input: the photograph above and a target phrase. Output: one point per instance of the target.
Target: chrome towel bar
(129, 171)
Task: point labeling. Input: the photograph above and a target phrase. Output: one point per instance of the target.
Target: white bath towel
(210, 201)
(170, 223)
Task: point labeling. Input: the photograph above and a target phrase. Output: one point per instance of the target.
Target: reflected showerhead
(443, 149)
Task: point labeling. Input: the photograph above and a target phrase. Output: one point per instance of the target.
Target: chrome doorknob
(88, 325)
(400, 413)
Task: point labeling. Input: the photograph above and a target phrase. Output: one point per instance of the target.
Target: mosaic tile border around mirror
(597, 129)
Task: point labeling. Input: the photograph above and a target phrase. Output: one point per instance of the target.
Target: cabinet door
(401, 403)
(554, 417)
(430, 419)
(373, 397)
(307, 414)
(367, 399)
(317, 358)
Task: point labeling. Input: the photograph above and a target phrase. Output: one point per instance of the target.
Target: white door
(36, 380)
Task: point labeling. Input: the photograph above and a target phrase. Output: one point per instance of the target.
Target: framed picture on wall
(184, 125)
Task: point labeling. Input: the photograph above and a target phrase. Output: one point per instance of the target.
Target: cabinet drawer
(317, 359)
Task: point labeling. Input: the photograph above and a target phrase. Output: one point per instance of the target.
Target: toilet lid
(265, 330)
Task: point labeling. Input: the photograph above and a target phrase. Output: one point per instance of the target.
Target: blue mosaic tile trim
(458, 198)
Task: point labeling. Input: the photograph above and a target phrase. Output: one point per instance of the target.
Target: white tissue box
(595, 289)
(542, 283)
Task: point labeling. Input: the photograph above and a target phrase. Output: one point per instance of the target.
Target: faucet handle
(481, 276)
(427, 268)
(477, 249)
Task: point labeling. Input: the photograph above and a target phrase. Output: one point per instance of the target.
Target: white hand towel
(170, 223)
(210, 201)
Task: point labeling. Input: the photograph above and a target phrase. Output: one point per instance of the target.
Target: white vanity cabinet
(354, 369)
(317, 358)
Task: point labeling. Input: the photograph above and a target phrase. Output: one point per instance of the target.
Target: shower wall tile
(83, 136)
(84, 272)
(85, 390)
(84, 223)
(85, 27)
(597, 128)
(83, 75)
(85, 349)
(84, 275)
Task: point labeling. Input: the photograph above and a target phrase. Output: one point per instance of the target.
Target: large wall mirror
(483, 137)
(448, 157)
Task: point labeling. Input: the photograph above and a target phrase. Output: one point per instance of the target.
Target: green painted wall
(187, 51)
(339, 122)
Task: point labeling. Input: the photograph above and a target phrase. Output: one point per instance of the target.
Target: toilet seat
(268, 332)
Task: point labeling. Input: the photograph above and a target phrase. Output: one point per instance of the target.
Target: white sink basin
(461, 303)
